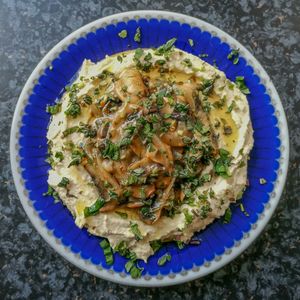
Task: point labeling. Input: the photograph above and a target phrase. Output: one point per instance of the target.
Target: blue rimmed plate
(220, 242)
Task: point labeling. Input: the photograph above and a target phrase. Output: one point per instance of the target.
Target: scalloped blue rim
(262, 113)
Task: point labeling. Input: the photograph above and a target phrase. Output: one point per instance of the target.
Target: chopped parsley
(180, 244)
(234, 55)
(191, 42)
(53, 109)
(111, 150)
(188, 217)
(94, 208)
(187, 62)
(109, 258)
(59, 155)
(203, 55)
(77, 156)
(122, 34)
(51, 192)
(137, 36)
(207, 86)
(227, 216)
(119, 58)
(240, 82)
(242, 208)
(221, 165)
(163, 259)
(133, 268)
(262, 181)
(87, 99)
(64, 182)
(122, 249)
(73, 109)
(166, 48)
(134, 228)
(231, 107)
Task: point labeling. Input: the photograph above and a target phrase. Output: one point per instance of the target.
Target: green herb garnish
(53, 109)
(133, 268)
(122, 34)
(191, 42)
(111, 150)
(188, 217)
(234, 55)
(180, 244)
(262, 181)
(240, 82)
(64, 182)
(156, 245)
(109, 257)
(135, 230)
(207, 86)
(94, 208)
(166, 48)
(51, 192)
(137, 36)
(59, 155)
(221, 165)
(227, 216)
(165, 258)
(77, 156)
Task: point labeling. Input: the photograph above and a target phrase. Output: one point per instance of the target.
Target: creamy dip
(149, 145)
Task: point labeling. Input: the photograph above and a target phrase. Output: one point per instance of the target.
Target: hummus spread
(149, 145)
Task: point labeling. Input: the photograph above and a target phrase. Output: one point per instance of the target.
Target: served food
(148, 146)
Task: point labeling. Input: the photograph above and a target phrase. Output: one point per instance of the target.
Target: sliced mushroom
(130, 85)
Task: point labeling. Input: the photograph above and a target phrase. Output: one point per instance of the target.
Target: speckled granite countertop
(269, 269)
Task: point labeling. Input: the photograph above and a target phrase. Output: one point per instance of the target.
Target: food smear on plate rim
(149, 146)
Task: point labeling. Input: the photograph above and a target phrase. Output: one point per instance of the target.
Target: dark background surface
(269, 269)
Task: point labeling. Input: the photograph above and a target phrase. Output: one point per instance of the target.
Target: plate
(220, 243)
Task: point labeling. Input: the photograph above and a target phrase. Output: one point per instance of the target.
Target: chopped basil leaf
(94, 208)
(53, 109)
(137, 36)
(165, 258)
(109, 258)
(64, 182)
(240, 82)
(135, 230)
(122, 34)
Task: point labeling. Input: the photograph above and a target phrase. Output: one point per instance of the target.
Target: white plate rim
(147, 280)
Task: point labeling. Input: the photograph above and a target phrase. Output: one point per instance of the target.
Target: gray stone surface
(269, 269)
